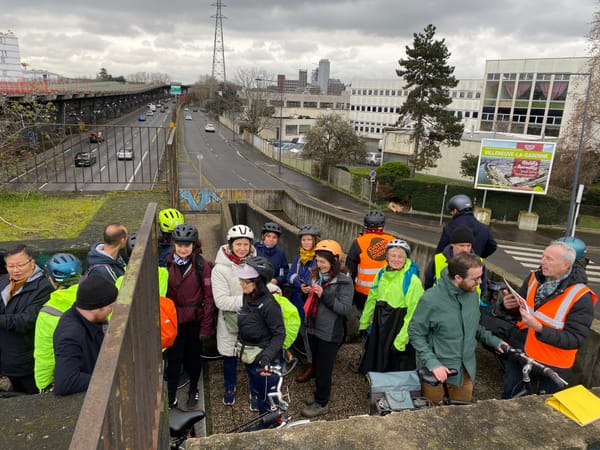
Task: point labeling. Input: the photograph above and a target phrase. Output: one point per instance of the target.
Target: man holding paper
(555, 320)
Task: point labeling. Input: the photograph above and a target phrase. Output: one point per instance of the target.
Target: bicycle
(428, 377)
(533, 365)
(277, 417)
(182, 426)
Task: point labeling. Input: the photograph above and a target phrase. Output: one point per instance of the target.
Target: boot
(308, 374)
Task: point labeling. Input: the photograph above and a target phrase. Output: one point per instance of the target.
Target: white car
(149, 113)
(188, 117)
(209, 128)
(125, 153)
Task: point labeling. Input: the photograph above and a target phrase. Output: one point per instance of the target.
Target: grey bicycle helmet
(460, 202)
(374, 219)
(399, 243)
(263, 266)
(131, 242)
(577, 244)
(271, 227)
(239, 231)
(185, 233)
(309, 229)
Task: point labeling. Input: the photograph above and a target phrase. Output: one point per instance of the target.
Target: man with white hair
(555, 318)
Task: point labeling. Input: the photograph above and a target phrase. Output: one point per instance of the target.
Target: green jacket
(388, 286)
(447, 319)
(50, 314)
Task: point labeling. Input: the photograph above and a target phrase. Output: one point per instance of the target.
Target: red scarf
(233, 258)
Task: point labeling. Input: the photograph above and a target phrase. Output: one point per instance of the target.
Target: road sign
(373, 174)
(175, 90)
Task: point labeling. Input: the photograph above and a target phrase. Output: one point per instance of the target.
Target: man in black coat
(24, 290)
(79, 335)
(461, 208)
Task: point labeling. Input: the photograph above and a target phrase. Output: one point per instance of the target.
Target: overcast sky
(363, 39)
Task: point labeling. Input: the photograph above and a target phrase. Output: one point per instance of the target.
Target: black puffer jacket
(484, 244)
(17, 323)
(260, 323)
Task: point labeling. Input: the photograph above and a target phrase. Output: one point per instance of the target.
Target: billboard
(515, 166)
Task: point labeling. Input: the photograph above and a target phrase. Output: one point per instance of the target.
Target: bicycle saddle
(428, 377)
(180, 420)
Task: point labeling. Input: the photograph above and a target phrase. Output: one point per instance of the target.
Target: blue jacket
(99, 263)
(299, 273)
(277, 257)
(484, 244)
(77, 343)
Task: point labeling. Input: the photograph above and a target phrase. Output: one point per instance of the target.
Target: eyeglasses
(19, 266)
(474, 279)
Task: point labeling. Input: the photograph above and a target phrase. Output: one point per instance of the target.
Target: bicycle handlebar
(541, 368)
(281, 370)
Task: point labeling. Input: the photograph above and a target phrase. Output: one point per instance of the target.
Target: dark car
(84, 159)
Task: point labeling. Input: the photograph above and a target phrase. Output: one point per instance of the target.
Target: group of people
(53, 319)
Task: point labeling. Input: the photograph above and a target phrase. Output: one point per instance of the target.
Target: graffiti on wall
(199, 200)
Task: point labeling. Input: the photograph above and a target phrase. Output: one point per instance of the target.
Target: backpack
(412, 270)
(168, 322)
(291, 319)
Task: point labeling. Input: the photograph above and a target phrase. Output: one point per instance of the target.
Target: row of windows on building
(307, 104)
(529, 76)
(404, 93)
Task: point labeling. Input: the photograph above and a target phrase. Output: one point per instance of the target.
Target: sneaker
(315, 410)
(173, 405)
(229, 397)
(253, 403)
(193, 398)
(184, 379)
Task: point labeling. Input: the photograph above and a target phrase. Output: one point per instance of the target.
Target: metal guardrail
(124, 406)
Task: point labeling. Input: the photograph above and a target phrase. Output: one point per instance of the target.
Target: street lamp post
(280, 120)
(571, 217)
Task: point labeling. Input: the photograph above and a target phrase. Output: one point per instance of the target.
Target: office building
(10, 58)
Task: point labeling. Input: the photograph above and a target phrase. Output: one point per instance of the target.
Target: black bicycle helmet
(64, 267)
(185, 233)
(460, 202)
(374, 219)
(271, 227)
(131, 242)
(309, 229)
(263, 266)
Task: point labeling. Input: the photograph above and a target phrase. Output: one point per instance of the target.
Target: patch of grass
(589, 222)
(27, 215)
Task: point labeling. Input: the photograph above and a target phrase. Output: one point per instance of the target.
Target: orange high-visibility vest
(372, 258)
(552, 314)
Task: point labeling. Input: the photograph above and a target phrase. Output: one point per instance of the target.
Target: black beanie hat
(462, 235)
(95, 292)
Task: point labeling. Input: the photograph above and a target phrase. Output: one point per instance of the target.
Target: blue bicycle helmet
(577, 244)
(64, 268)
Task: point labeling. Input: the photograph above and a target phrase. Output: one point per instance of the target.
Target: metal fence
(124, 405)
(40, 155)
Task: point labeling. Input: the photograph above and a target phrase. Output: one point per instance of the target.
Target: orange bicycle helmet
(330, 246)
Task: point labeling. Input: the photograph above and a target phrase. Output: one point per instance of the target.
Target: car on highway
(149, 113)
(125, 153)
(162, 110)
(142, 118)
(209, 128)
(188, 117)
(194, 109)
(186, 109)
(84, 159)
(373, 159)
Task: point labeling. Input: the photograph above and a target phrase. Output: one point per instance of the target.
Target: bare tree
(256, 87)
(568, 145)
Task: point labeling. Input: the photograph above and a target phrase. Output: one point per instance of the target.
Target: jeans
(261, 386)
(230, 372)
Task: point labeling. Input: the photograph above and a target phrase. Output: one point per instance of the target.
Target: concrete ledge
(492, 424)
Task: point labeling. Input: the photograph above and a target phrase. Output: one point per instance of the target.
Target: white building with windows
(10, 58)
(531, 96)
(375, 104)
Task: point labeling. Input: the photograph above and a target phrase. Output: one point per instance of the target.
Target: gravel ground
(350, 391)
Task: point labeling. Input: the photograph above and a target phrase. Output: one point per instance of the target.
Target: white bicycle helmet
(239, 231)
(399, 243)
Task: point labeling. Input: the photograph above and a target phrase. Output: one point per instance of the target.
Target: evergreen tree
(428, 78)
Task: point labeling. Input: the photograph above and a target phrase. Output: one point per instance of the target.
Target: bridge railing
(124, 405)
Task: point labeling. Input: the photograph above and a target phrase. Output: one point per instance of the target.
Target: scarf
(307, 256)
(233, 258)
(546, 289)
(179, 260)
(14, 287)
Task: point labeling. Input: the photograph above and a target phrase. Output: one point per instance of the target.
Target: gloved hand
(364, 334)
